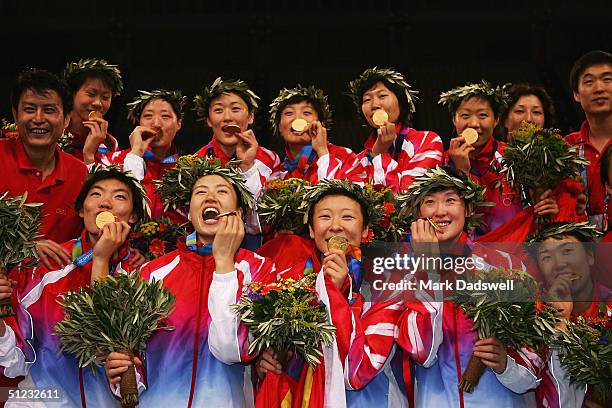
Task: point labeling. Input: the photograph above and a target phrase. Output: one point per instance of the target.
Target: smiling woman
(206, 274)
(302, 117)
(394, 152)
(95, 253)
(157, 115)
(530, 103)
(212, 195)
(339, 214)
(478, 106)
(227, 105)
(94, 83)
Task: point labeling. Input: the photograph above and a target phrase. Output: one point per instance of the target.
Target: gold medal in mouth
(105, 217)
(380, 117)
(299, 125)
(433, 224)
(337, 242)
(232, 129)
(226, 214)
(158, 133)
(470, 135)
(93, 115)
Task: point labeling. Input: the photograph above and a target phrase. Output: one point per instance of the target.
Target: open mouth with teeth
(39, 131)
(210, 215)
(439, 225)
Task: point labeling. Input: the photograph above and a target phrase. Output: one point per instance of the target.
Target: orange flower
(599, 321)
(369, 238)
(276, 184)
(11, 134)
(388, 208)
(271, 287)
(157, 247)
(539, 306)
(162, 228)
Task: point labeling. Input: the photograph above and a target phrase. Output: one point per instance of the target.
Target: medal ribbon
(81, 259)
(302, 161)
(191, 242)
(396, 148)
(173, 158)
(214, 151)
(355, 270)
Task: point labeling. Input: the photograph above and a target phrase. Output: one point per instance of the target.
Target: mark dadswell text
(477, 286)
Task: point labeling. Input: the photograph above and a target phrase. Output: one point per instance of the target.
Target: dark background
(186, 44)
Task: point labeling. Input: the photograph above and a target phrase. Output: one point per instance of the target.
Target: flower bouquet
(19, 224)
(114, 314)
(66, 141)
(156, 237)
(538, 159)
(390, 225)
(585, 351)
(8, 130)
(279, 205)
(286, 316)
(515, 317)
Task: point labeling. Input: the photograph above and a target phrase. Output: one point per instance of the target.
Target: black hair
(586, 241)
(176, 107)
(76, 81)
(137, 202)
(341, 192)
(453, 172)
(588, 60)
(243, 95)
(494, 103)
(303, 98)
(405, 114)
(239, 200)
(516, 91)
(41, 81)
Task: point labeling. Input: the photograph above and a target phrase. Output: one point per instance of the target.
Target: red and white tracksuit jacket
(410, 155)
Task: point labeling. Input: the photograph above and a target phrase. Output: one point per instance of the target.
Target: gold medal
(158, 133)
(433, 224)
(337, 242)
(470, 135)
(93, 115)
(226, 214)
(233, 129)
(380, 117)
(105, 217)
(299, 125)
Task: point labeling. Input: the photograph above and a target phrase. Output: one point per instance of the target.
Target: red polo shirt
(595, 188)
(57, 191)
